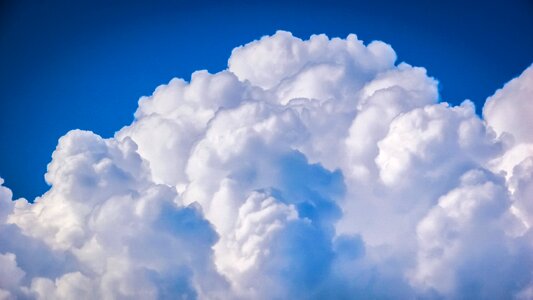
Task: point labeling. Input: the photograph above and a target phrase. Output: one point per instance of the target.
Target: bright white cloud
(308, 169)
(509, 110)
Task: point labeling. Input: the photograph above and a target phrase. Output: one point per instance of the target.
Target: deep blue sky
(84, 64)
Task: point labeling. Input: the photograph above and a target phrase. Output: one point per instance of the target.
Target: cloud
(315, 168)
(509, 110)
(463, 243)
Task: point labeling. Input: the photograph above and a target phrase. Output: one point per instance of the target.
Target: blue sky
(84, 64)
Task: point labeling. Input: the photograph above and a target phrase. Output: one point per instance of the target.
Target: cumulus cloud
(310, 169)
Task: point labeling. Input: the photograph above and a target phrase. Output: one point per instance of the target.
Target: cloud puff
(509, 110)
(312, 168)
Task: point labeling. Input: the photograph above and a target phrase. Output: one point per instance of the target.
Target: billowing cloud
(309, 169)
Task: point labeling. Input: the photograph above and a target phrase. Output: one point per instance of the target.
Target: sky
(202, 151)
(85, 64)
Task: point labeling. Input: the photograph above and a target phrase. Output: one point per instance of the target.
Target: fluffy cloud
(509, 110)
(463, 243)
(308, 169)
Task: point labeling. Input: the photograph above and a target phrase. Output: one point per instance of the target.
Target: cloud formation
(308, 169)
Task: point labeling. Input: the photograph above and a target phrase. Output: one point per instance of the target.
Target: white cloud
(10, 275)
(462, 243)
(509, 110)
(307, 169)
